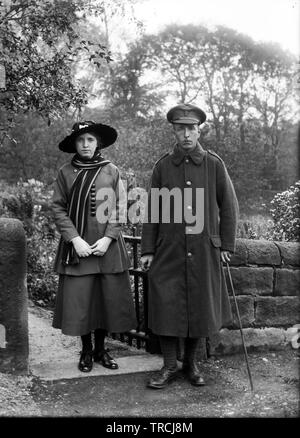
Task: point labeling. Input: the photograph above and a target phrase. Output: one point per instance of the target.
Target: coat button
(75, 170)
(188, 183)
(189, 207)
(189, 254)
(187, 160)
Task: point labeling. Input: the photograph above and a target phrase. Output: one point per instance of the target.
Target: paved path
(54, 356)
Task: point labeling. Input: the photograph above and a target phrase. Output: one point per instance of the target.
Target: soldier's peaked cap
(187, 114)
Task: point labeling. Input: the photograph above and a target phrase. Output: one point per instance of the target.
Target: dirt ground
(226, 395)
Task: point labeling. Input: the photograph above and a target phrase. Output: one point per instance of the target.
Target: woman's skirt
(85, 303)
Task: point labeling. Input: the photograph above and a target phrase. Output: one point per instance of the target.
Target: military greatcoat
(187, 291)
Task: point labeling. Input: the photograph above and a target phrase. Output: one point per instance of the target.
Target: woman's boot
(86, 357)
(100, 353)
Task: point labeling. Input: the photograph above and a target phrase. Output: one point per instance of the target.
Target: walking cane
(241, 328)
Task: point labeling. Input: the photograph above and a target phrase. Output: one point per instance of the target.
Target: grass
(255, 227)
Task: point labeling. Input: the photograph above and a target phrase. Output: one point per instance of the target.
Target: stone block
(290, 253)
(246, 311)
(287, 282)
(256, 339)
(263, 252)
(277, 311)
(251, 281)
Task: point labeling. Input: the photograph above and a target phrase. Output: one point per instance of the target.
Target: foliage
(17, 202)
(133, 96)
(30, 202)
(285, 213)
(140, 146)
(254, 227)
(247, 89)
(39, 47)
(42, 282)
(34, 154)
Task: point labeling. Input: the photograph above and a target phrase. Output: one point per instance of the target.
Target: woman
(94, 289)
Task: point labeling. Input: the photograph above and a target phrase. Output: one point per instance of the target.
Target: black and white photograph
(149, 212)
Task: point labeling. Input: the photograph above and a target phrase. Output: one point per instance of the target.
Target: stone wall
(266, 280)
(13, 298)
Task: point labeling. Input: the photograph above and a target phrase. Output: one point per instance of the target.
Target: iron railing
(141, 337)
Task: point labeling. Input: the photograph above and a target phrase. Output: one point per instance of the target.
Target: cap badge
(83, 126)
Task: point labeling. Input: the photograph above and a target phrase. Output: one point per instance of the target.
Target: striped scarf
(78, 197)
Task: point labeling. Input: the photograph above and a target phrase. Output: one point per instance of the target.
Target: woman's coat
(187, 290)
(116, 258)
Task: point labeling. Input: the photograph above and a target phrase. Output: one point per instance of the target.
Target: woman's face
(86, 145)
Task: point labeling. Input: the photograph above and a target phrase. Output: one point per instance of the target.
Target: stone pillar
(14, 349)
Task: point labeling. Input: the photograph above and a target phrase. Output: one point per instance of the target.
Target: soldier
(188, 297)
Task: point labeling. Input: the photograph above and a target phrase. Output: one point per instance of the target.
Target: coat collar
(196, 155)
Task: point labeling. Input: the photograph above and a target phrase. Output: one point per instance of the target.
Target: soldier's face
(186, 135)
(86, 145)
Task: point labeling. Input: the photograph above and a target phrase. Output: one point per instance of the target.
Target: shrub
(255, 227)
(30, 202)
(42, 281)
(285, 214)
(16, 202)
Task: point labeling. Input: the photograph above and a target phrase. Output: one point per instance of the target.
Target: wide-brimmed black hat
(107, 134)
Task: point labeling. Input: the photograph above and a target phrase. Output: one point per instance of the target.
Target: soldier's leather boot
(194, 374)
(169, 370)
(162, 378)
(190, 364)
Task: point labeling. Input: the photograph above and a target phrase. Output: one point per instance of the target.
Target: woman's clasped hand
(83, 249)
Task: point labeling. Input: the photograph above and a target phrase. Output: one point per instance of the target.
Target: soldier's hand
(225, 256)
(146, 261)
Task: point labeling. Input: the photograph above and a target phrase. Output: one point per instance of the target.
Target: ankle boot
(86, 361)
(169, 370)
(190, 364)
(194, 374)
(162, 378)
